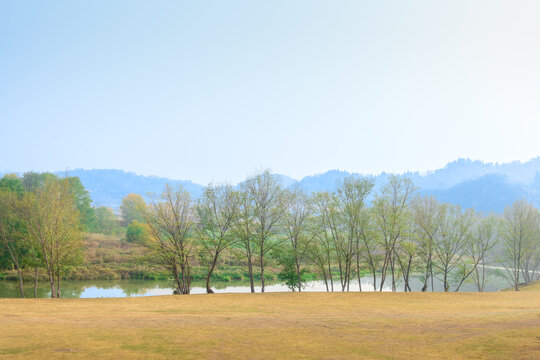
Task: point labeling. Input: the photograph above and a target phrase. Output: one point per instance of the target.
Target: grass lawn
(503, 325)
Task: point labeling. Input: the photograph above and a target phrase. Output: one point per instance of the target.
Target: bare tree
(171, 221)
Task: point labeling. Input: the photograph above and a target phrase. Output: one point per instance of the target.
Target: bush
(137, 233)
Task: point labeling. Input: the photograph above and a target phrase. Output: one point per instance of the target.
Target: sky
(215, 90)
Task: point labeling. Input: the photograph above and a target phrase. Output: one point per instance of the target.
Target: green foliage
(33, 181)
(133, 208)
(288, 274)
(137, 233)
(14, 247)
(105, 221)
(83, 203)
(12, 183)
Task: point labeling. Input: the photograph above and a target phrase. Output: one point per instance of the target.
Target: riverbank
(110, 257)
(275, 326)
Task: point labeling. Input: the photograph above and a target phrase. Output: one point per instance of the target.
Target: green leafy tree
(84, 204)
(268, 207)
(391, 208)
(138, 233)
(13, 245)
(12, 183)
(51, 218)
(33, 181)
(105, 220)
(217, 212)
(290, 275)
(133, 208)
(171, 220)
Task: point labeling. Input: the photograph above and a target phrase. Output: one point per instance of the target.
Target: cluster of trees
(337, 234)
(42, 219)
(390, 234)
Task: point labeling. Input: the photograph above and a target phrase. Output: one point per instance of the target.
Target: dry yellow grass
(276, 326)
(534, 286)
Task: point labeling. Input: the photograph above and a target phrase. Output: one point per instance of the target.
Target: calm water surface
(125, 288)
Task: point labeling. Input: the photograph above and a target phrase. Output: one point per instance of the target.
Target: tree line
(341, 235)
(390, 234)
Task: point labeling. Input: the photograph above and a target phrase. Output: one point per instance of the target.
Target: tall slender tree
(519, 229)
(391, 208)
(296, 223)
(171, 220)
(268, 208)
(427, 216)
(217, 212)
(244, 229)
(351, 195)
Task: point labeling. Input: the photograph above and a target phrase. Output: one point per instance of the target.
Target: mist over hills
(487, 187)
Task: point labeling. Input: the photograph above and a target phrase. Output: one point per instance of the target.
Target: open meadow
(504, 325)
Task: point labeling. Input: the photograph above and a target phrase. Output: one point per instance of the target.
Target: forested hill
(484, 186)
(108, 187)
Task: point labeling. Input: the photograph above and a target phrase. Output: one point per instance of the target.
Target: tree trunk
(36, 282)
(330, 275)
(210, 271)
(262, 273)
(428, 264)
(177, 279)
(358, 267)
(51, 279)
(298, 274)
(21, 287)
(250, 271)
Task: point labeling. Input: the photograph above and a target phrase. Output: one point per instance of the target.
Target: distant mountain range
(488, 187)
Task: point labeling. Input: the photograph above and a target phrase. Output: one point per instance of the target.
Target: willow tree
(52, 220)
(217, 213)
(268, 209)
(171, 220)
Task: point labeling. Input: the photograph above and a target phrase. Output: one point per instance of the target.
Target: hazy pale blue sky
(212, 90)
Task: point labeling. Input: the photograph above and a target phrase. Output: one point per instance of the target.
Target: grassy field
(276, 326)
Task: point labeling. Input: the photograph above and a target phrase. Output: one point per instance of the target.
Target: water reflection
(128, 288)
